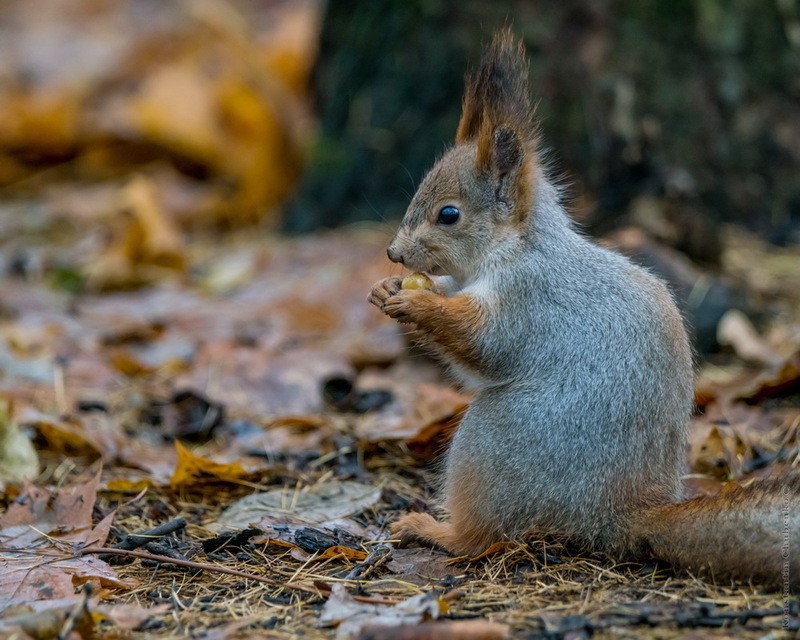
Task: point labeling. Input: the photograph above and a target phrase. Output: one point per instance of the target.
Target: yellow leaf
(176, 108)
(340, 551)
(146, 246)
(190, 468)
(122, 485)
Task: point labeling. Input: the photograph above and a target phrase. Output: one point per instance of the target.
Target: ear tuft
(498, 117)
(496, 93)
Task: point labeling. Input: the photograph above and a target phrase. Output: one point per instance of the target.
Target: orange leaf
(338, 550)
(267, 541)
(191, 467)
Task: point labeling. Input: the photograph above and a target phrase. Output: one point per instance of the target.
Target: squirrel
(579, 360)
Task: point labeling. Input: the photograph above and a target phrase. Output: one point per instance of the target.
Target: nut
(417, 281)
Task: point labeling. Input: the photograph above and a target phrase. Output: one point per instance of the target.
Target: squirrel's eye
(448, 215)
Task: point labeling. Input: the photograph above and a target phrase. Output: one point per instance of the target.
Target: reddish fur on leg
(424, 527)
(450, 323)
(466, 533)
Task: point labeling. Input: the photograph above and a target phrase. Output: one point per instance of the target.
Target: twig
(379, 556)
(136, 540)
(78, 612)
(201, 566)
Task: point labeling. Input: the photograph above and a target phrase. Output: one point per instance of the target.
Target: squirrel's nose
(394, 256)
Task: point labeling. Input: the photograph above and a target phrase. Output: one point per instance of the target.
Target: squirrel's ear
(507, 151)
(497, 91)
(498, 117)
(503, 155)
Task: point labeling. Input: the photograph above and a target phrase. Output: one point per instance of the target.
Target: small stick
(379, 556)
(136, 540)
(191, 564)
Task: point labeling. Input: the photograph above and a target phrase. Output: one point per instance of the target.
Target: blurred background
(131, 130)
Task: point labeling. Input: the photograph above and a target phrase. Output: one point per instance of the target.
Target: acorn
(417, 281)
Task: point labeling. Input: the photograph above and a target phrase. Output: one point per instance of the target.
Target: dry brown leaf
(424, 410)
(350, 617)
(175, 107)
(420, 566)
(717, 450)
(123, 485)
(314, 505)
(445, 630)
(177, 82)
(46, 618)
(78, 435)
(752, 385)
(39, 533)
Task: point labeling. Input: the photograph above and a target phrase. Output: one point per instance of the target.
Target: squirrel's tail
(750, 532)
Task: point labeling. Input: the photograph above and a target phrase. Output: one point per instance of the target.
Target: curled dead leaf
(191, 468)
(339, 551)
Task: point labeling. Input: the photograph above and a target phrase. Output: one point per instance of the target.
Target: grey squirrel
(579, 360)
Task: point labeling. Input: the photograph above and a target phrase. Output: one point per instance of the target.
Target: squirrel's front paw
(407, 305)
(383, 290)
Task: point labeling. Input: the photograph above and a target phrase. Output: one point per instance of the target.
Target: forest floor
(255, 389)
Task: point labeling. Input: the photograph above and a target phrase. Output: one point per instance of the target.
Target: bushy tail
(747, 533)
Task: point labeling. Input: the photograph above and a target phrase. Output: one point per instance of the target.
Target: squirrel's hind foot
(422, 527)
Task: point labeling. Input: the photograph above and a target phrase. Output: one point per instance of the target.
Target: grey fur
(581, 365)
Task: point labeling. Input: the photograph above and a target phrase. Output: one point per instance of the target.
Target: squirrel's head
(480, 193)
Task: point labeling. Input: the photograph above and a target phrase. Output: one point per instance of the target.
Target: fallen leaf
(39, 534)
(736, 330)
(781, 380)
(338, 551)
(191, 468)
(122, 485)
(423, 408)
(350, 617)
(147, 247)
(18, 458)
(50, 620)
(717, 451)
(91, 434)
(46, 618)
(66, 509)
(731, 439)
(445, 630)
(312, 505)
(420, 566)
